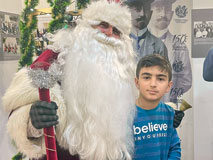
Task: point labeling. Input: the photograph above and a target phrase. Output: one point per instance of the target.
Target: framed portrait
(202, 28)
(9, 36)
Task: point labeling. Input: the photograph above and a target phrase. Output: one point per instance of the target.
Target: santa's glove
(178, 118)
(43, 114)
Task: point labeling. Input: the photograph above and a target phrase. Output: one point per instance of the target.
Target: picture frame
(9, 36)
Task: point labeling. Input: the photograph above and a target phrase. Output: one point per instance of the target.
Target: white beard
(98, 88)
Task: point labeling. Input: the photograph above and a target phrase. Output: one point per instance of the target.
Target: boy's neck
(147, 105)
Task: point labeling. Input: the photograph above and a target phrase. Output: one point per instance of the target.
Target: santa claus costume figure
(93, 104)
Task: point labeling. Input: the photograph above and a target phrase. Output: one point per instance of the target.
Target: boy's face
(153, 83)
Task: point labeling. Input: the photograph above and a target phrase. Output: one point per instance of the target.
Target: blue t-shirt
(154, 135)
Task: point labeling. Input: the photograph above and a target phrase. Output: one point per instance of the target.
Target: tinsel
(45, 78)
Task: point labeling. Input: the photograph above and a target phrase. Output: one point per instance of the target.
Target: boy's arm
(174, 150)
(208, 66)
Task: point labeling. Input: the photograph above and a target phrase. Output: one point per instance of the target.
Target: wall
(13, 6)
(7, 69)
(202, 103)
(202, 99)
(202, 4)
(186, 129)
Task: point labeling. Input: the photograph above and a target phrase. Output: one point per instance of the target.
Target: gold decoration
(44, 11)
(184, 105)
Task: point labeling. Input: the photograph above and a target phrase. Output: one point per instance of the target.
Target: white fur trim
(19, 97)
(113, 13)
(171, 104)
(17, 129)
(19, 88)
(33, 132)
(56, 96)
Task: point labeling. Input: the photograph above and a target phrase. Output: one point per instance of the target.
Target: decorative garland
(82, 3)
(58, 14)
(18, 156)
(28, 24)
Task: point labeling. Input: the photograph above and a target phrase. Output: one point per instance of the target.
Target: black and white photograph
(9, 36)
(9, 24)
(202, 27)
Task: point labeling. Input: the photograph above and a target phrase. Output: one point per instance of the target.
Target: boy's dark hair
(154, 60)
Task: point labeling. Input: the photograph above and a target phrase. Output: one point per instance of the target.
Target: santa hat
(109, 11)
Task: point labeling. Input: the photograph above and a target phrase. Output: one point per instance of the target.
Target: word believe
(150, 128)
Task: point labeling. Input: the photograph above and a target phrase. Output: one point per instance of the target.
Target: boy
(154, 134)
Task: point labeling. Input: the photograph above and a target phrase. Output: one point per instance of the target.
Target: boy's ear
(169, 86)
(136, 82)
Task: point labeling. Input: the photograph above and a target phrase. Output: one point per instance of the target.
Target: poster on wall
(163, 27)
(9, 36)
(202, 27)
